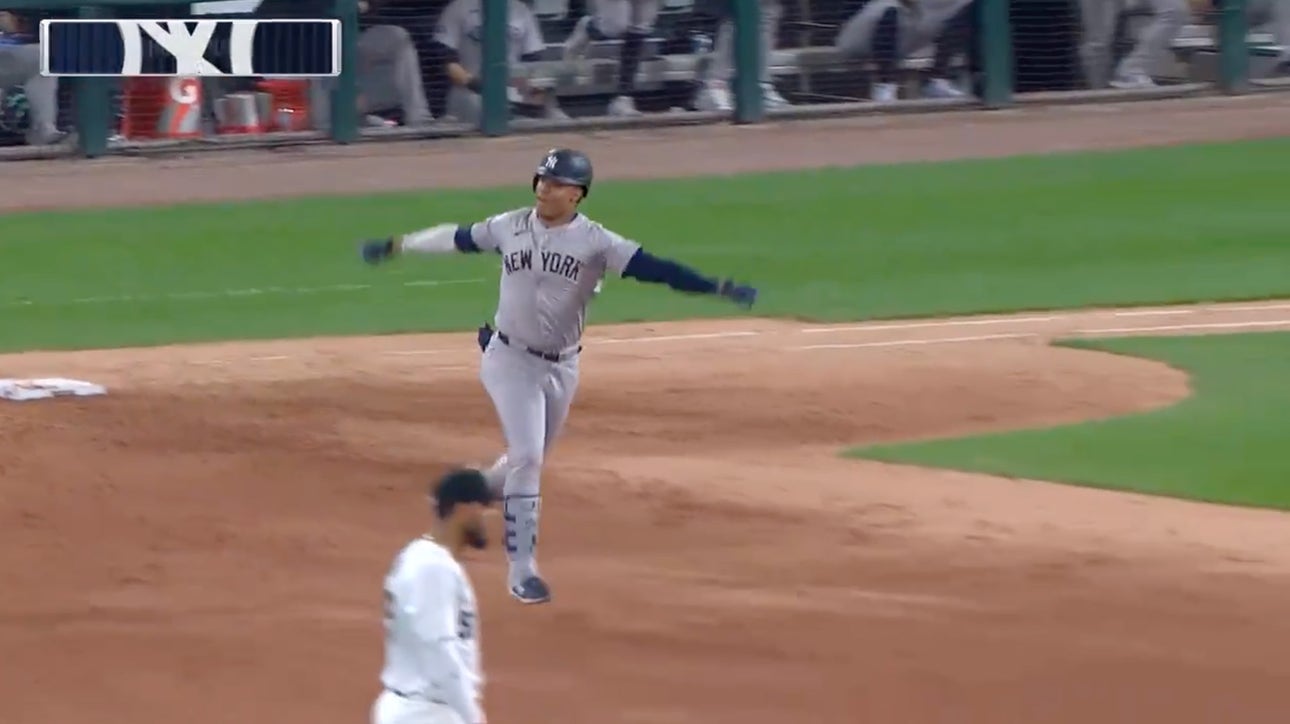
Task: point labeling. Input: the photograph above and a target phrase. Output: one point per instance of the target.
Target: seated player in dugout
(1101, 19)
(20, 71)
(459, 42)
(890, 31)
(629, 20)
(389, 72)
(389, 68)
(714, 92)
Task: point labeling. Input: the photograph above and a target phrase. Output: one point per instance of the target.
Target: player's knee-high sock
(630, 61)
(521, 506)
(886, 46)
(954, 38)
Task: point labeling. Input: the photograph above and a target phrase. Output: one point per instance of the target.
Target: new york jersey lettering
(517, 261)
(553, 262)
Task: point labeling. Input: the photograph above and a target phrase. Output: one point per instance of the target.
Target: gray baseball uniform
(614, 18)
(530, 362)
(1100, 18)
(723, 60)
(20, 64)
(920, 24)
(530, 368)
(1274, 15)
(461, 27)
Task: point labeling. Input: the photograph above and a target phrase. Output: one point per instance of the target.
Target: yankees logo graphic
(190, 47)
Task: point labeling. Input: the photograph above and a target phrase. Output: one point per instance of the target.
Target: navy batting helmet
(566, 166)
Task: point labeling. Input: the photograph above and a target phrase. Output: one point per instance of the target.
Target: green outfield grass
(1226, 443)
(1148, 226)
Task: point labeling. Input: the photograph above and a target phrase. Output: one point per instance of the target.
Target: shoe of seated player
(942, 88)
(884, 92)
(714, 96)
(623, 107)
(1132, 81)
(771, 99)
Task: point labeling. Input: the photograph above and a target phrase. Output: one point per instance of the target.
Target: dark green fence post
(93, 102)
(749, 106)
(996, 52)
(495, 75)
(344, 94)
(1233, 48)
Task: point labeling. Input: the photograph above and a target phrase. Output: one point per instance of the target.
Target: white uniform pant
(393, 709)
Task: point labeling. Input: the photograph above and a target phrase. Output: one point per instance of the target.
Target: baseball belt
(548, 356)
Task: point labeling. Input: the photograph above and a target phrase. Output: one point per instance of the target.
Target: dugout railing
(1019, 51)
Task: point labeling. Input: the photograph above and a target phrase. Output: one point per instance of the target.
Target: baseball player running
(552, 256)
(432, 671)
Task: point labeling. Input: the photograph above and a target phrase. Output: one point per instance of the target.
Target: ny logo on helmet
(550, 162)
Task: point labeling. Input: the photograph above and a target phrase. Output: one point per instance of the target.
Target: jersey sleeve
(487, 235)
(448, 29)
(439, 622)
(617, 250)
(532, 41)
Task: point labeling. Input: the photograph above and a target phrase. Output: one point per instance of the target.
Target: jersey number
(466, 626)
(389, 611)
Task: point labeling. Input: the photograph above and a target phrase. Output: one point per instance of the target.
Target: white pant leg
(1168, 19)
(464, 105)
(612, 17)
(392, 709)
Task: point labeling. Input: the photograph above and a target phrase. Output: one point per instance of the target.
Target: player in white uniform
(552, 256)
(432, 672)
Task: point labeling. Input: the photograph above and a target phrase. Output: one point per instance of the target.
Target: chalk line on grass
(232, 293)
(787, 335)
(1153, 312)
(931, 324)
(917, 342)
(674, 337)
(1183, 327)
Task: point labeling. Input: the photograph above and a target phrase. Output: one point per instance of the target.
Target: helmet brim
(562, 180)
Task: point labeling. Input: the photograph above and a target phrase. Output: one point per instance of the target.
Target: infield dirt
(206, 543)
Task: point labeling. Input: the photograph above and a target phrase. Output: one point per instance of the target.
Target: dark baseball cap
(460, 485)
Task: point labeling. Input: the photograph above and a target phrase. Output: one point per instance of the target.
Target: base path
(206, 543)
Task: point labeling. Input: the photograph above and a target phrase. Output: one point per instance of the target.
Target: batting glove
(485, 336)
(740, 294)
(378, 250)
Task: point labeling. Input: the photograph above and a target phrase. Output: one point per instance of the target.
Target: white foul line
(1254, 308)
(1154, 312)
(916, 342)
(674, 337)
(925, 325)
(1179, 327)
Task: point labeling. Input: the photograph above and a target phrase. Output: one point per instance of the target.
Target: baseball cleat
(531, 590)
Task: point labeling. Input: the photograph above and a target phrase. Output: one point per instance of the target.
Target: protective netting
(633, 57)
(567, 58)
(419, 60)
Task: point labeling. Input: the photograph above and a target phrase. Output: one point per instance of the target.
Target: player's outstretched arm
(440, 239)
(645, 267)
